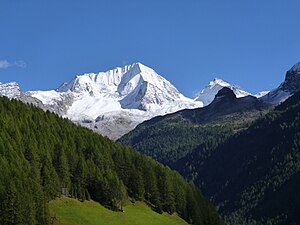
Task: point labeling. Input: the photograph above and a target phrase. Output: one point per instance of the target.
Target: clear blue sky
(249, 43)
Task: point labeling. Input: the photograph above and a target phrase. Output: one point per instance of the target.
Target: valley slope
(169, 138)
(68, 211)
(253, 176)
(192, 142)
(43, 156)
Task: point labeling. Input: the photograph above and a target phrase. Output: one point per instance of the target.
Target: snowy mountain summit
(10, 90)
(13, 90)
(207, 95)
(130, 87)
(114, 102)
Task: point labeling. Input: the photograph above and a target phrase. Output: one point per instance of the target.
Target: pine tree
(61, 165)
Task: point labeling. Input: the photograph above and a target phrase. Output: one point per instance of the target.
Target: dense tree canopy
(246, 161)
(254, 176)
(43, 155)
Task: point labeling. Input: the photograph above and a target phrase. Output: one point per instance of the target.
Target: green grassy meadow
(68, 211)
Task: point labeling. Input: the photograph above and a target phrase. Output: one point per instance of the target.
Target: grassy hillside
(68, 211)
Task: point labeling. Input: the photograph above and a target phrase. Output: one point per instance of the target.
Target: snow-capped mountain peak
(10, 90)
(207, 95)
(218, 81)
(13, 90)
(131, 94)
(116, 101)
(121, 81)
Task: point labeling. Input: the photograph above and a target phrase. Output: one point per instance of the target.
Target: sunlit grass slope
(67, 211)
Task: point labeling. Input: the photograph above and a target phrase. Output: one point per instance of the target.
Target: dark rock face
(225, 102)
(226, 92)
(287, 88)
(292, 81)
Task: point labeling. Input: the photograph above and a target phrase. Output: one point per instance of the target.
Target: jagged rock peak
(110, 80)
(117, 99)
(296, 67)
(10, 90)
(292, 79)
(218, 81)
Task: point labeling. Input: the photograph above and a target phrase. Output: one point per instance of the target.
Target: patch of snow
(207, 95)
(46, 97)
(261, 94)
(10, 90)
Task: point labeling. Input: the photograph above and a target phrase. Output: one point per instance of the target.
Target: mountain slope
(254, 175)
(171, 137)
(13, 90)
(114, 102)
(207, 95)
(66, 211)
(287, 88)
(62, 158)
(254, 195)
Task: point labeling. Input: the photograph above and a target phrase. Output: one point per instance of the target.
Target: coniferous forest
(43, 155)
(251, 172)
(253, 176)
